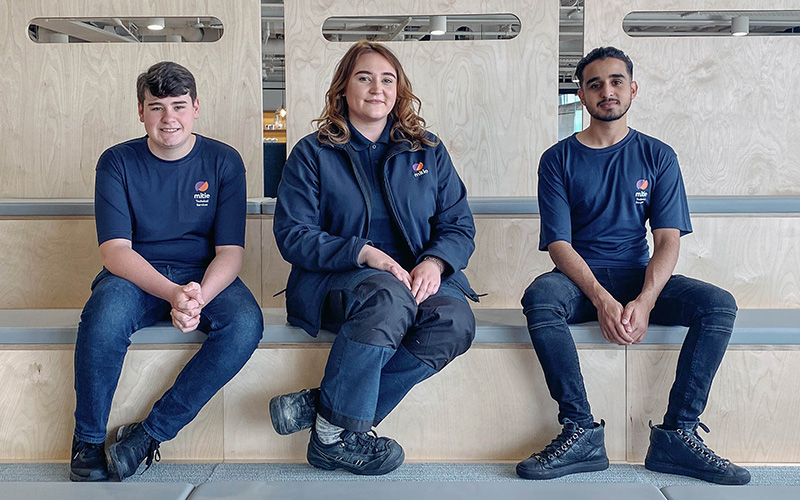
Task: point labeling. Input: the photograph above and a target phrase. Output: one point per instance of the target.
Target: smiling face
(371, 91)
(607, 89)
(168, 122)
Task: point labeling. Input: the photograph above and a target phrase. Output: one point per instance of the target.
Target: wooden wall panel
(725, 104)
(506, 260)
(47, 263)
(63, 104)
(51, 263)
(36, 417)
(451, 417)
(753, 399)
(275, 270)
(493, 103)
(755, 258)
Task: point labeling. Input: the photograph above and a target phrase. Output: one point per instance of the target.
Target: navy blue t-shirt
(383, 233)
(174, 212)
(599, 199)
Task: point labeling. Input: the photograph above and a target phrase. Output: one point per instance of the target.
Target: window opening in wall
(273, 87)
(713, 23)
(457, 27)
(125, 29)
(570, 51)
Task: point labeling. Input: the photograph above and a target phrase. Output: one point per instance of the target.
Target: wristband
(436, 261)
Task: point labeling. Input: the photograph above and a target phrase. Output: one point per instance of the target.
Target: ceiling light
(155, 24)
(740, 25)
(438, 25)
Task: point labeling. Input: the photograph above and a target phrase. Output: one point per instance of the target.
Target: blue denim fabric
(385, 344)
(553, 301)
(116, 309)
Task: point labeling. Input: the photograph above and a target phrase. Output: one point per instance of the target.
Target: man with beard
(597, 189)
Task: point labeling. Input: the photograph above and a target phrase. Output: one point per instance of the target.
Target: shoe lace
(694, 440)
(361, 442)
(560, 444)
(84, 448)
(153, 454)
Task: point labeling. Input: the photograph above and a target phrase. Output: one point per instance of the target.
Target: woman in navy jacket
(375, 222)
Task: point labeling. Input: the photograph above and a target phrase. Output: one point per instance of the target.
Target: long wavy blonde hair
(408, 125)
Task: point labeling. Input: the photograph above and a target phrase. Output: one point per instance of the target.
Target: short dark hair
(602, 53)
(166, 79)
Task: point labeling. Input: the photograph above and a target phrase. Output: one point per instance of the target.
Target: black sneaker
(683, 452)
(132, 447)
(88, 462)
(574, 450)
(356, 452)
(294, 412)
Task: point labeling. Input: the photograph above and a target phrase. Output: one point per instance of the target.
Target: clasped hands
(423, 280)
(187, 302)
(624, 325)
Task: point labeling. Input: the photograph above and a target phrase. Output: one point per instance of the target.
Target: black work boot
(133, 446)
(356, 452)
(683, 452)
(88, 461)
(574, 450)
(294, 412)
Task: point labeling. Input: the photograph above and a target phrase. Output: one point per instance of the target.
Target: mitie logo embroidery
(641, 194)
(201, 197)
(418, 169)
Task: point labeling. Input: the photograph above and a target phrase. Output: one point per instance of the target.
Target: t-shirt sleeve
(554, 210)
(668, 206)
(231, 216)
(111, 208)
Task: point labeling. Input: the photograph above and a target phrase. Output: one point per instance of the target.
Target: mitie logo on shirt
(418, 169)
(201, 198)
(641, 194)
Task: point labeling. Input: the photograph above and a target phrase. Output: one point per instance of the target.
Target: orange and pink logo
(417, 167)
(201, 186)
(642, 184)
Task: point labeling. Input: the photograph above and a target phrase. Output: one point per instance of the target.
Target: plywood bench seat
(497, 326)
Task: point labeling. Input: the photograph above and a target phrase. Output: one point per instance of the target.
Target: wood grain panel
(51, 263)
(506, 260)
(752, 401)
(253, 248)
(38, 401)
(493, 103)
(755, 258)
(47, 263)
(65, 103)
(725, 104)
(452, 416)
(275, 270)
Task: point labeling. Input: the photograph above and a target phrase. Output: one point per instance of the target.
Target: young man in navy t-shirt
(597, 189)
(170, 211)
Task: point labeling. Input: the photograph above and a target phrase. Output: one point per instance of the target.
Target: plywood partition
(493, 103)
(726, 104)
(63, 104)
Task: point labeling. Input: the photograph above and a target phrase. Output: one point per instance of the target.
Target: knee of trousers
(542, 308)
(385, 311)
(718, 308)
(550, 291)
(246, 328)
(111, 313)
(446, 333)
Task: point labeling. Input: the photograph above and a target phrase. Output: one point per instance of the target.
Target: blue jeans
(116, 309)
(553, 301)
(385, 344)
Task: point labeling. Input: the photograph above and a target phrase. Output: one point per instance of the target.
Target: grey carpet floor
(201, 473)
